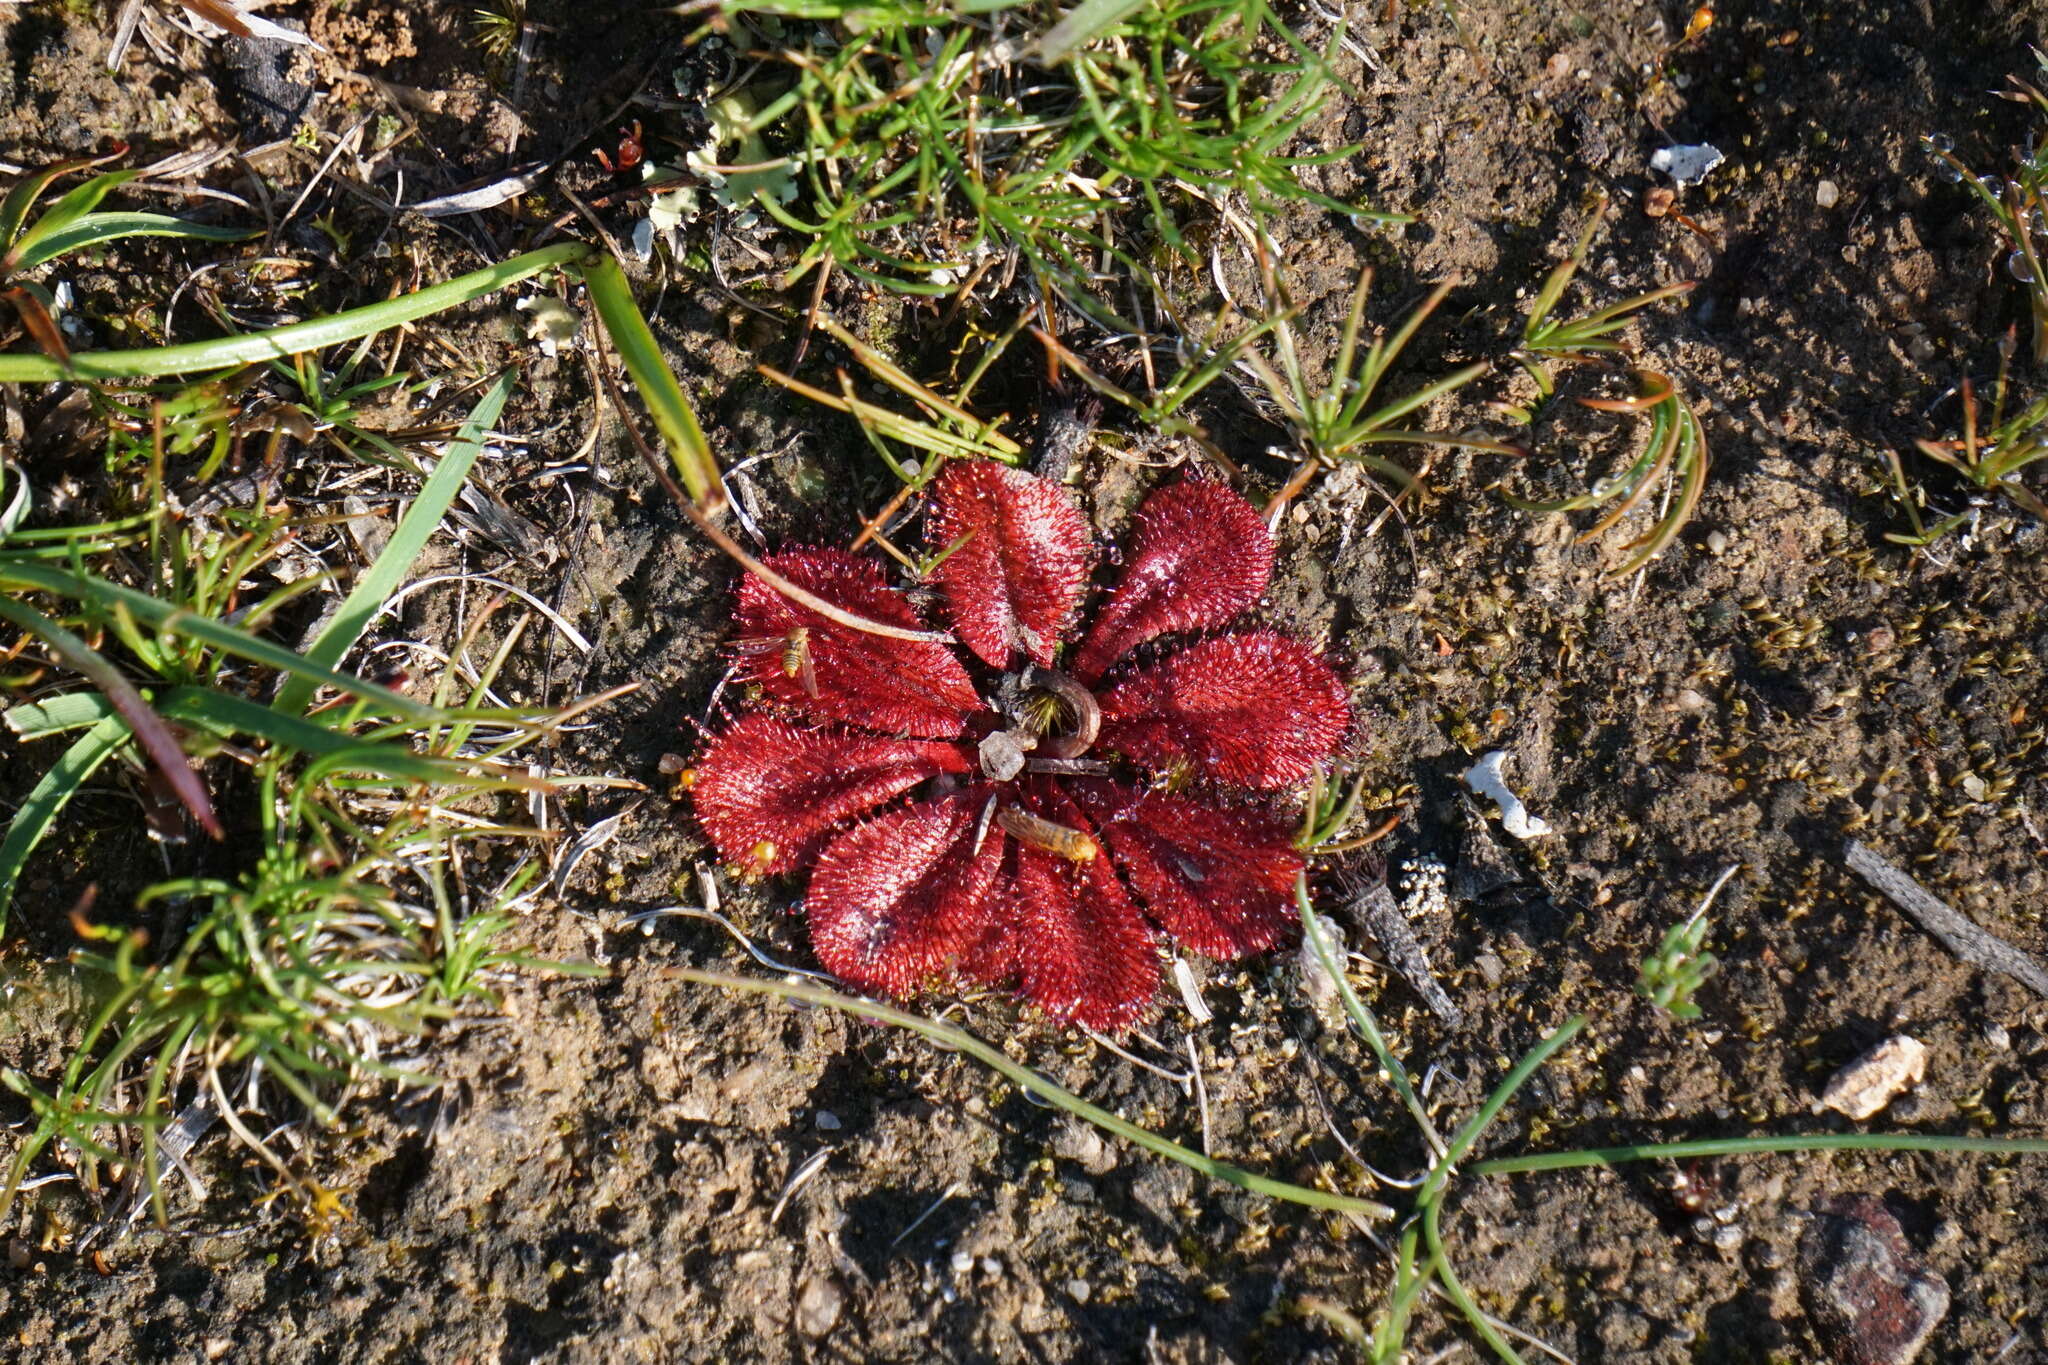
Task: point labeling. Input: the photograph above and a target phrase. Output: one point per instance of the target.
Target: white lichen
(1422, 884)
(1688, 164)
(1484, 778)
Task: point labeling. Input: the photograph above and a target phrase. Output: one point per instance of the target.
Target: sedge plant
(1341, 416)
(1674, 458)
(1997, 445)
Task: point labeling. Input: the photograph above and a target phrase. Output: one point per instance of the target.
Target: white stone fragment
(1002, 757)
(1688, 164)
(1876, 1078)
(1485, 778)
(1316, 983)
(1191, 991)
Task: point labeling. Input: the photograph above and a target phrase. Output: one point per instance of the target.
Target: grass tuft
(929, 146)
(360, 912)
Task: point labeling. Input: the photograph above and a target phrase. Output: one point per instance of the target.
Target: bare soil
(601, 1178)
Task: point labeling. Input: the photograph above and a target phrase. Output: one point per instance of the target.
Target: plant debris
(1963, 938)
(1370, 900)
(1688, 163)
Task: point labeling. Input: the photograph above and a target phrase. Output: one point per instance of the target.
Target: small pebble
(828, 1121)
(1876, 1078)
(1079, 1290)
(1869, 1299)
(1827, 194)
(818, 1305)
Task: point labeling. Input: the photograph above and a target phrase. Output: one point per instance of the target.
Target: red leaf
(1220, 881)
(894, 901)
(1072, 933)
(769, 793)
(42, 329)
(1203, 555)
(1015, 582)
(897, 686)
(1255, 709)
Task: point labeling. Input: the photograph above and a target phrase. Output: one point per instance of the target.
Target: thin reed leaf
(612, 299)
(280, 343)
(46, 800)
(385, 575)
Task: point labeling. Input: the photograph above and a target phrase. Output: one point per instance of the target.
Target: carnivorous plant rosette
(1034, 820)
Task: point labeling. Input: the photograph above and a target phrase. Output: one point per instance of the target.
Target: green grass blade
(383, 577)
(1518, 1076)
(1756, 1146)
(1425, 395)
(282, 342)
(1082, 25)
(106, 227)
(75, 204)
(227, 715)
(161, 615)
(150, 732)
(1362, 1018)
(1616, 315)
(55, 715)
(1554, 285)
(50, 796)
(612, 297)
(14, 209)
(1454, 1288)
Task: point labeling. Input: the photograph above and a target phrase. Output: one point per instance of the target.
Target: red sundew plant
(1031, 820)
